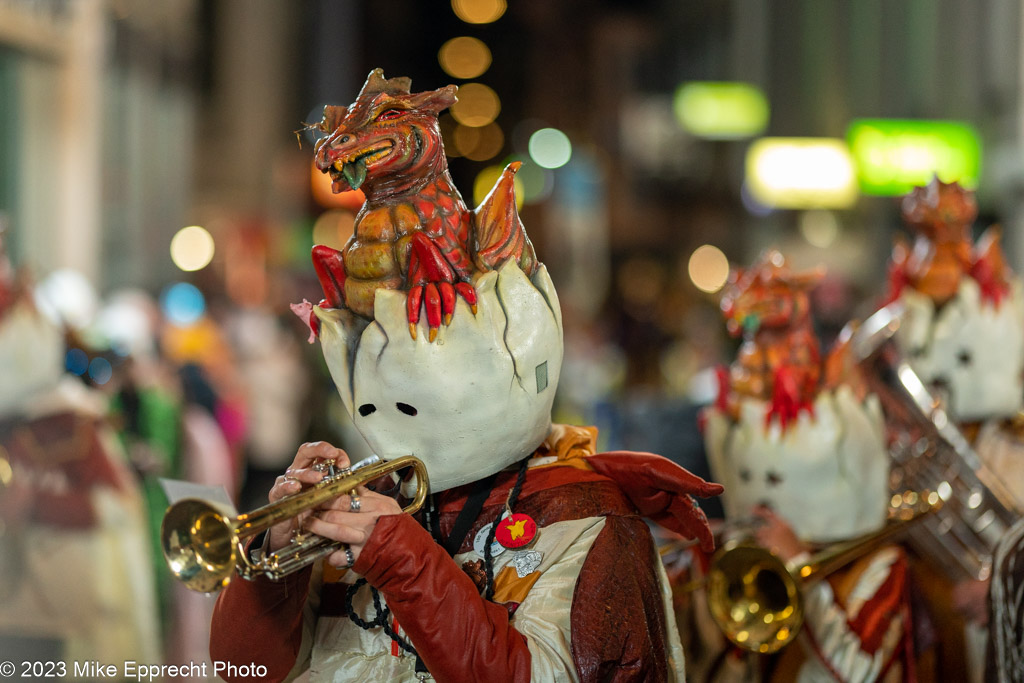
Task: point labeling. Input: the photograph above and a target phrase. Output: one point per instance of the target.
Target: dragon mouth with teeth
(353, 167)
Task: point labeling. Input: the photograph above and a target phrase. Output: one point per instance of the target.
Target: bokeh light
(538, 182)
(893, 156)
(479, 11)
(192, 248)
(76, 361)
(819, 227)
(478, 105)
(721, 111)
(182, 304)
(325, 196)
(708, 268)
(127, 322)
(464, 57)
(67, 297)
(479, 144)
(334, 228)
(100, 370)
(485, 181)
(550, 148)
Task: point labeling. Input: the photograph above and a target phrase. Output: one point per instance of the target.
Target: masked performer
(443, 334)
(963, 332)
(69, 504)
(802, 456)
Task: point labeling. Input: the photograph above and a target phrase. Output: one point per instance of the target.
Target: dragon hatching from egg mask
(469, 396)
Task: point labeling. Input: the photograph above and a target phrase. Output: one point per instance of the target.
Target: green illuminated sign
(721, 111)
(893, 156)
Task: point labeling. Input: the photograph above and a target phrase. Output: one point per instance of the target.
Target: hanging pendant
(481, 538)
(516, 531)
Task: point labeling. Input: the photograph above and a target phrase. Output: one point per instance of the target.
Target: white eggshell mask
(476, 399)
(972, 348)
(828, 476)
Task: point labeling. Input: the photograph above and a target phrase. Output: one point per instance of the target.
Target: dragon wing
(988, 266)
(500, 234)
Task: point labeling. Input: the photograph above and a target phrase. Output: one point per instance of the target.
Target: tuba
(929, 452)
(756, 598)
(204, 546)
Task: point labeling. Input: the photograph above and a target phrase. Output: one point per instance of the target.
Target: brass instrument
(928, 451)
(757, 599)
(203, 546)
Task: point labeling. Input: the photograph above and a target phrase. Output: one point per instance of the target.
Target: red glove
(660, 490)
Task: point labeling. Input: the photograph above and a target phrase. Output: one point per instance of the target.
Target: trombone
(204, 547)
(756, 598)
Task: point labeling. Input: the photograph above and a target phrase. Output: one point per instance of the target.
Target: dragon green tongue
(355, 173)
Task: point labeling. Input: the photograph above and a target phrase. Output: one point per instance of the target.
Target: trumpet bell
(757, 599)
(200, 545)
(754, 598)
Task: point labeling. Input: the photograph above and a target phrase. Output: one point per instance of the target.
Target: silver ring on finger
(356, 503)
(350, 558)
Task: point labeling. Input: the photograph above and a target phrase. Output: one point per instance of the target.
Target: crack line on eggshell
(504, 339)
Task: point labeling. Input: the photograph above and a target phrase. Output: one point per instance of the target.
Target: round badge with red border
(516, 531)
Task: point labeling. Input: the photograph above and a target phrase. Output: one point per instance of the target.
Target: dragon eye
(389, 114)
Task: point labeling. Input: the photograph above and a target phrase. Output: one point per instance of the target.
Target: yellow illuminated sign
(801, 173)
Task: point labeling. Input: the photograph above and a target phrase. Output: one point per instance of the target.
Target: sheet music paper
(177, 490)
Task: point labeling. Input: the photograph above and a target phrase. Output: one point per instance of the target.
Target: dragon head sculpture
(767, 295)
(385, 142)
(940, 211)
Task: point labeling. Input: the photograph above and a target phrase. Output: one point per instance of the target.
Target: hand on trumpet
(775, 534)
(340, 519)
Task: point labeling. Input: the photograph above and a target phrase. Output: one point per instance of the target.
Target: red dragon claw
(468, 293)
(412, 305)
(426, 263)
(432, 305)
(432, 283)
(330, 271)
(447, 293)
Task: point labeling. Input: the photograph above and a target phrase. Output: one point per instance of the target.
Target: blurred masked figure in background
(801, 453)
(962, 330)
(74, 555)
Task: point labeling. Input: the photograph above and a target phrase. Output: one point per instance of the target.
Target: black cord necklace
(467, 516)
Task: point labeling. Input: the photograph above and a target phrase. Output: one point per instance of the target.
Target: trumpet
(204, 546)
(756, 598)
